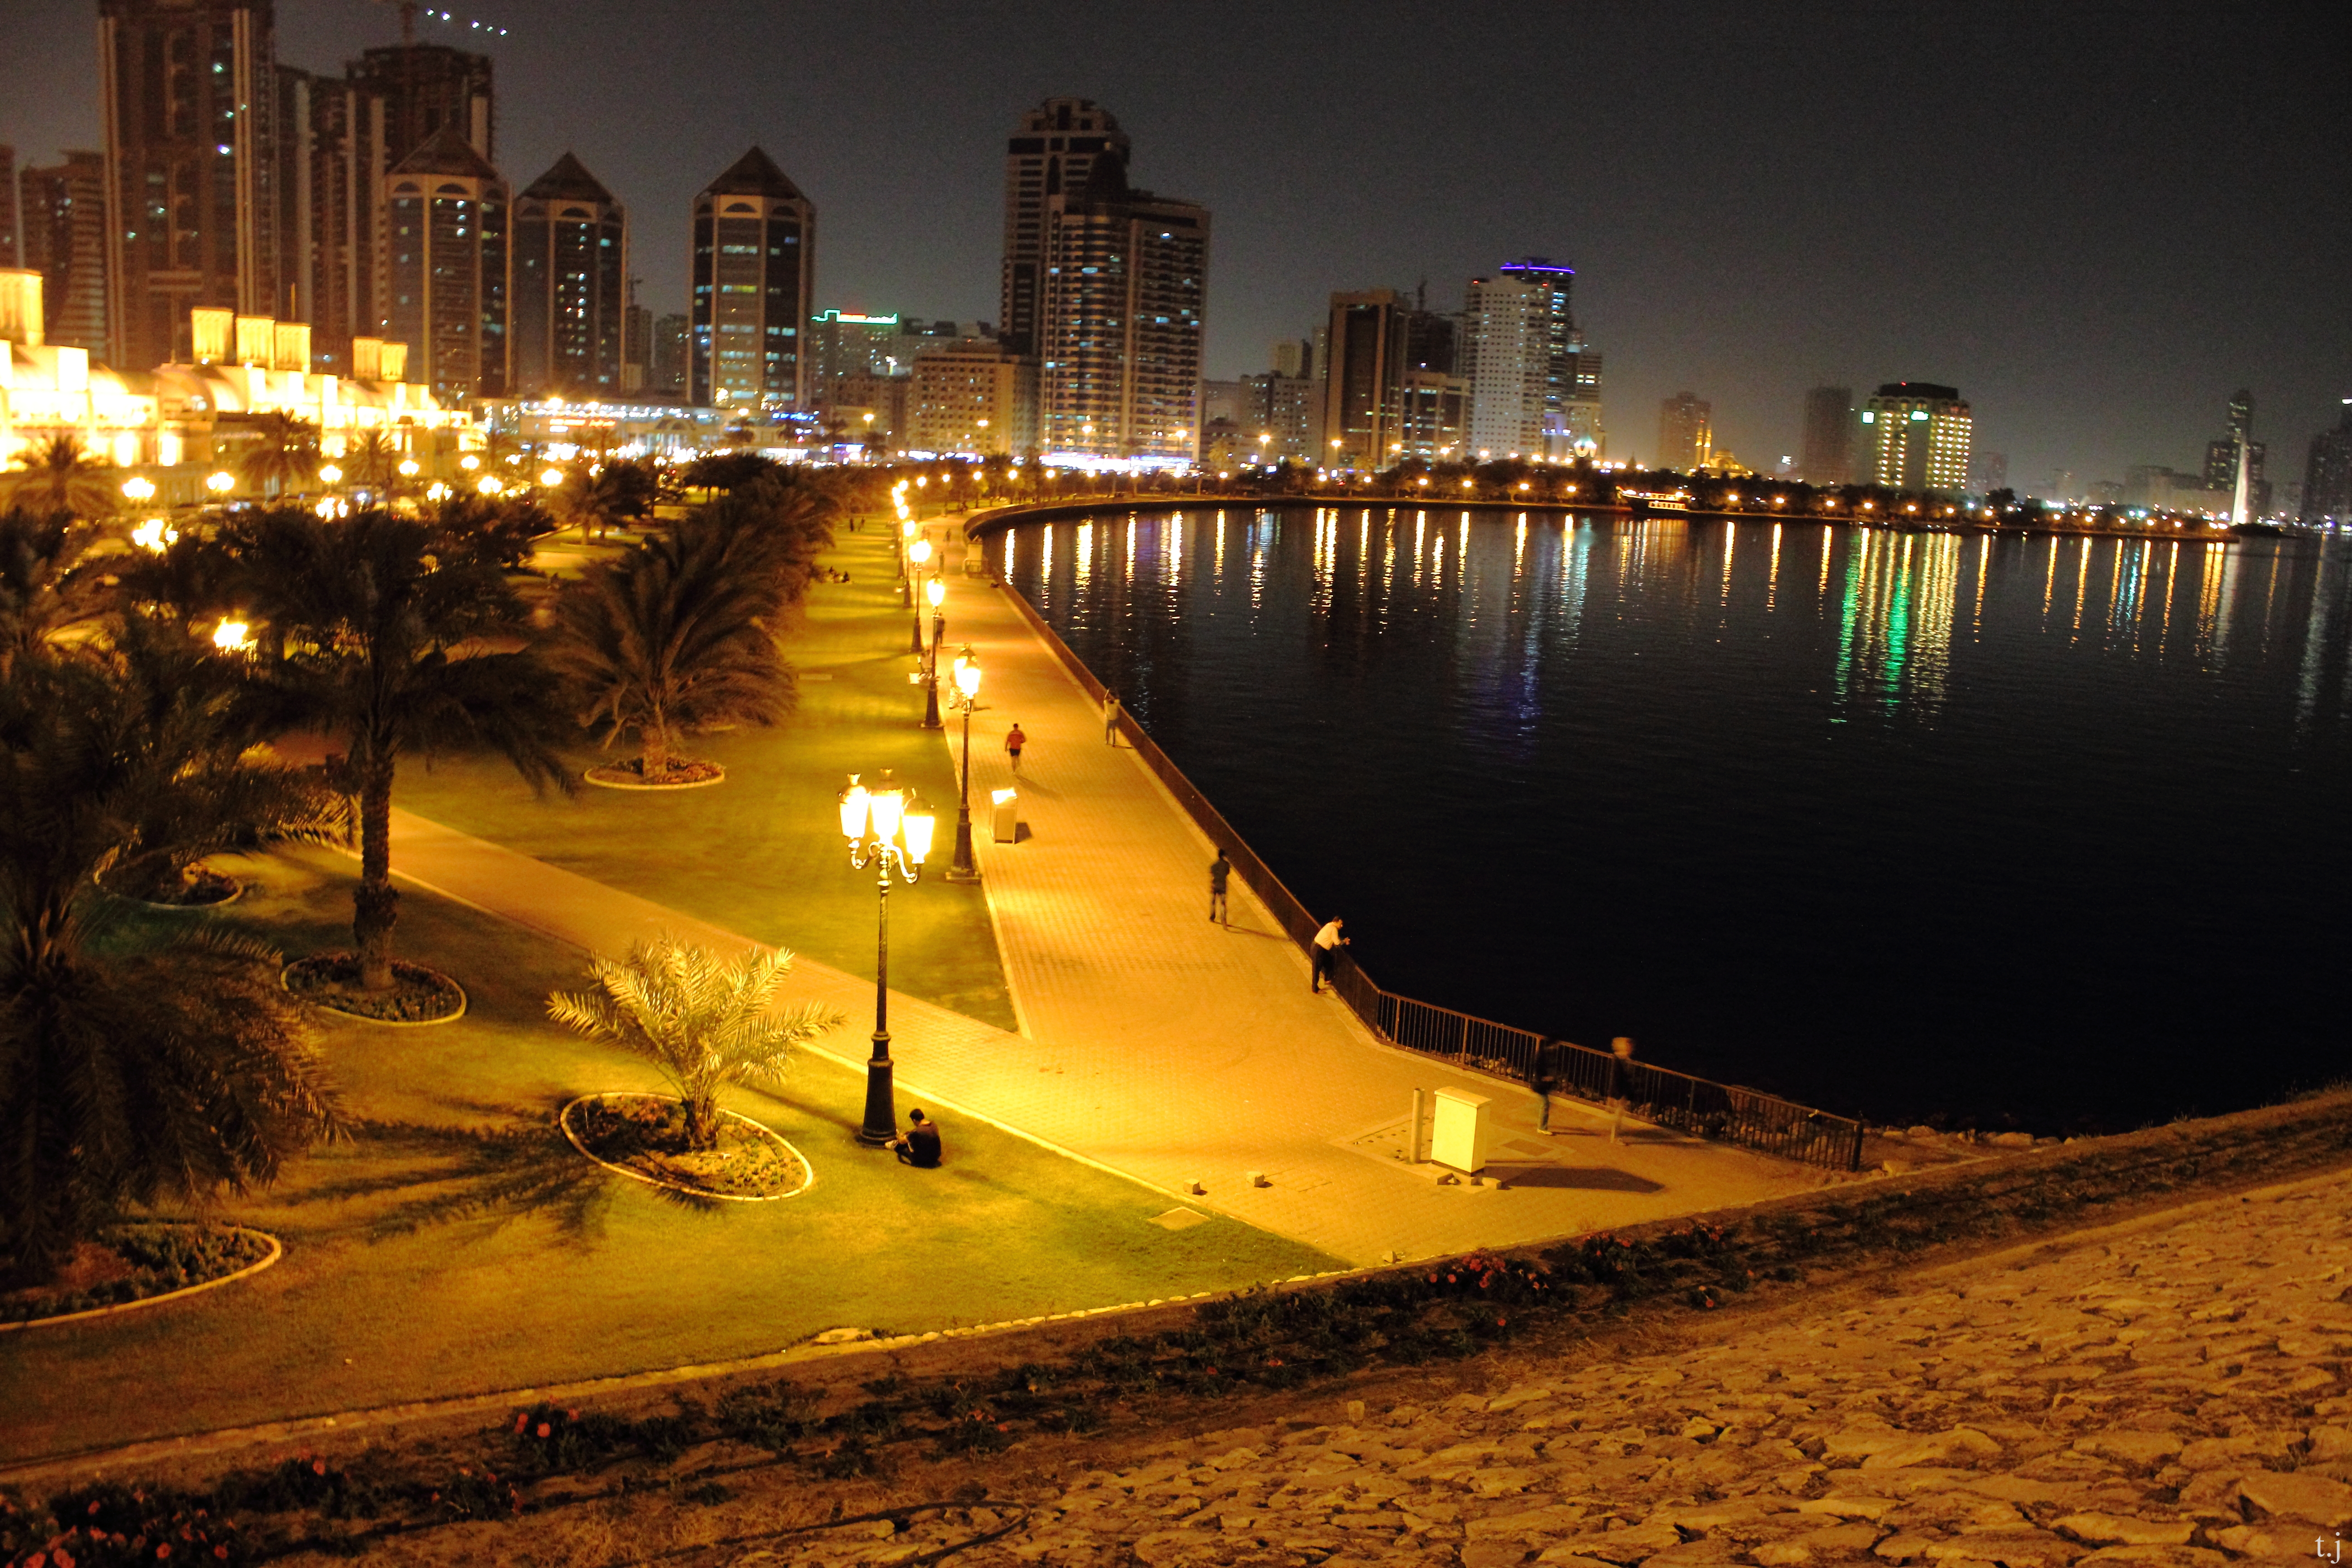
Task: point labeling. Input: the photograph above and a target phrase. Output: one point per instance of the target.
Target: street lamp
(936, 591)
(332, 474)
(917, 553)
(880, 828)
(965, 696)
(220, 484)
(139, 489)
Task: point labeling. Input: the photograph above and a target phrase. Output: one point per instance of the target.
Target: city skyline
(2040, 261)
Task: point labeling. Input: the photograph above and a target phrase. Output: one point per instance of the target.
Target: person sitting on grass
(920, 1144)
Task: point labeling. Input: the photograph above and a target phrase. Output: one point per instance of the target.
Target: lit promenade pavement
(1154, 1042)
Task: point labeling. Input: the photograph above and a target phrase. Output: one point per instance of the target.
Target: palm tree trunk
(374, 902)
(701, 1122)
(653, 757)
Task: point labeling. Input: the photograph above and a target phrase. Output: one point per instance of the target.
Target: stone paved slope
(2168, 1392)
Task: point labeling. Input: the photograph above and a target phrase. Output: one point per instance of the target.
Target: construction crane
(409, 9)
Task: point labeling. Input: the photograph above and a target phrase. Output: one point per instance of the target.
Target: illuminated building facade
(63, 238)
(972, 396)
(2327, 478)
(753, 287)
(1916, 437)
(1686, 433)
(1121, 319)
(189, 92)
(570, 250)
(1052, 153)
(1828, 453)
(177, 424)
(1535, 388)
(445, 216)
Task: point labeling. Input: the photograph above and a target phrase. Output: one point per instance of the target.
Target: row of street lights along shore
(884, 824)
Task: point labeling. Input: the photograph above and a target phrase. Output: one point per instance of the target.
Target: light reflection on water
(1890, 822)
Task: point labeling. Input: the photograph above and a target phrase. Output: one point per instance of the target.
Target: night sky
(2096, 219)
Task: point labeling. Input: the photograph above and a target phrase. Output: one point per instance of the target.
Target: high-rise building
(9, 252)
(425, 87)
(754, 289)
(1686, 433)
(62, 235)
(1294, 357)
(2222, 456)
(1363, 363)
(1535, 388)
(1280, 419)
(189, 97)
(570, 250)
(1827, 457)
(2327, 480)
(669, 355)
(637, 342)
(446, 213)
(1052, 153)
(1987, 472)
(1916, 437)
(1119, 324)
(974, 396)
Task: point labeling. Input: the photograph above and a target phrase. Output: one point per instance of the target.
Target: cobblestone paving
(2172, 1393)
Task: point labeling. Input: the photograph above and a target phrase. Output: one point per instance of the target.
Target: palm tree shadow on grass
(515, 1165)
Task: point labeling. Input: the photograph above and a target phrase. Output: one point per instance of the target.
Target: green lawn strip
(761, 853)
(457, 1245)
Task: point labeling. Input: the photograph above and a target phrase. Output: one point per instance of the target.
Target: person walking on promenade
(1013, 740)
(1326, 954)
(1219, 870)
(1110, 718)
(1620, 1084)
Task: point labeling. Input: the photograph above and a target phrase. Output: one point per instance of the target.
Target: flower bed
(205, 888)
(418, 995)
(644, 1135)
(138, 1263)
(632, 775)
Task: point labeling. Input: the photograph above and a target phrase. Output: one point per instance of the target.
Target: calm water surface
(2045, 829)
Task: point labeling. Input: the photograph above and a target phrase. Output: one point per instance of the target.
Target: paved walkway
(1155, 1043)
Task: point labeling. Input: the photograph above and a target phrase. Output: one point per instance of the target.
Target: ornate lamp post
(935, 590)
(965, 696)
(918, 553)
(882, 829)
(907, 541)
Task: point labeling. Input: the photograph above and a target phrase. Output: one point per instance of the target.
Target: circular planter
(275, 1250)
(625, 776)
(412, 983)
(224, 889)
(571, 1136)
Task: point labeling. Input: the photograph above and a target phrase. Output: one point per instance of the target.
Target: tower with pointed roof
(446, 221)
(753, 281)
(571, 252)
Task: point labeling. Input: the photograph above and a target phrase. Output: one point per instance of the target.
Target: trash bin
(1005, 811)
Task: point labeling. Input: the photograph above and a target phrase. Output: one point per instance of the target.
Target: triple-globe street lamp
(883, 828)
(936, 591)
(966, 696)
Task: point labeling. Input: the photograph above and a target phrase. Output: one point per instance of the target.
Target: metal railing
(1700, 1107)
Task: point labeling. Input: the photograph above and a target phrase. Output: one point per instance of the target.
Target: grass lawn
(760, 854)
(457, 1243)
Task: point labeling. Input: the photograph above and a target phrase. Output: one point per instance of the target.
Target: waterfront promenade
(1153, 1042)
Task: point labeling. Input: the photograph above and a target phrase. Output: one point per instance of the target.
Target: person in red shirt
(1013, 740)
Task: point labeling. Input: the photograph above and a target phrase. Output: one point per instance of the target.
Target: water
(2049, 832)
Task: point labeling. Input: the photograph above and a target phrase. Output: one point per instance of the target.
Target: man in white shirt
(1325, 951)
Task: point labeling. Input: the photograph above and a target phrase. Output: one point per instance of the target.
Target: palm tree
(605, 497)
(401, 636)
(673, 636)
(372, 461)
(285, 451)
(702, 1021)
(52, 581)
(60, 476)
(127, 1074)
(179, 704)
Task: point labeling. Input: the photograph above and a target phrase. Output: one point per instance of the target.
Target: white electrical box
(1005, 806)
(1457, 1138)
